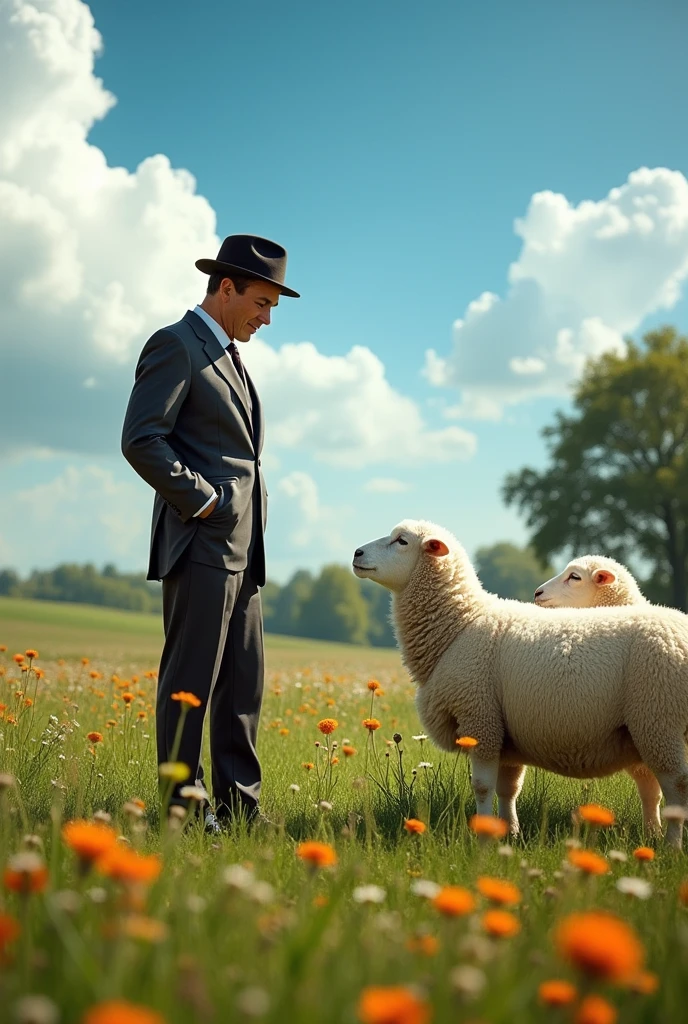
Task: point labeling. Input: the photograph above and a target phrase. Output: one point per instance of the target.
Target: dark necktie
(236, 359)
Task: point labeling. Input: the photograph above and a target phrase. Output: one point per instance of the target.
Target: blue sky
(391, 148)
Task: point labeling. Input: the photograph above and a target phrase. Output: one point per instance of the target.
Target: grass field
(168, 925)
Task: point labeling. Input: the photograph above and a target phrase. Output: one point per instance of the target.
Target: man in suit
(193, 430)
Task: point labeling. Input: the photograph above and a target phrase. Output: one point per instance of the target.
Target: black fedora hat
(253, 256)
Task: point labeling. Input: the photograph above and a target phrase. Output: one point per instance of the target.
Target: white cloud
(306, 519)
(586, 276)
(83, 513)
(343, 410)
(386, 485)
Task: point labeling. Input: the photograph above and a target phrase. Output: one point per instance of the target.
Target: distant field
(69, 631)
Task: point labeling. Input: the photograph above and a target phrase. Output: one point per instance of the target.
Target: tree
(618, 478)
(336, 608)
(511, 571)
(284, 608)
(380, 632)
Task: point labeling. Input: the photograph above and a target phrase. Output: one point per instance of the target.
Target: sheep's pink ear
(436, 547)
(603, 577)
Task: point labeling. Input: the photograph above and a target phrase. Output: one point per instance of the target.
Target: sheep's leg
(650, 795)
(509, 784)
(675, 789)
(484, 775)
(665, 756)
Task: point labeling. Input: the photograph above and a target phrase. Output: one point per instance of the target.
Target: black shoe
(212, 826)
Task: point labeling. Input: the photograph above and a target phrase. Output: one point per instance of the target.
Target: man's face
(243, 315)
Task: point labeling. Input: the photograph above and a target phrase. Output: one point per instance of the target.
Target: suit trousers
(214, 649)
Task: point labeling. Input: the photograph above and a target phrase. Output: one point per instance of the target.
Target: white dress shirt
(224, 340)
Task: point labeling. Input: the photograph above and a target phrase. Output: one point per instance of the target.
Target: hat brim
(216, 267)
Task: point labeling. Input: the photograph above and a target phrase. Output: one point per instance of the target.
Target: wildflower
(348, 750)
(425, 764)
(588, 862)
(236, 876)
(500, 924)
(466, 742)
(557, 993)
(120, 1011)
(595, 1010)
(644, 853)
(373, 685)
(19, 658)
(596, 815)
(601, 945)
(426, 945)
(392, 1004)
(88, 839)
(637, 887)
(645, 983)
(176, 771)
(253, 1001)
(486, 826)
(94, 737)
(9, 930)
(197, 793)
(454, 901)
(425, 888)
(31, 654)
(127, 698)
(415, 826)
(295, 788)
(325, 805)
(468, 980)
(36, 1009)
(674, 812)
(327, 726)
(371, 724)
(148, 929)
(617, 855)
(498, 891)
(85, 661)
(420, 737)
(369, 894)
(26, 873)
(308, 765)
(132, 810)
(190, 699)
(129, 867)
(319, 855)
(284, 732)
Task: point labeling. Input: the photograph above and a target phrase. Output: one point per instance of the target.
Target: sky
(475, 198)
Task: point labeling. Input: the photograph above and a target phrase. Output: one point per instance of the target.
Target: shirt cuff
(210, 500)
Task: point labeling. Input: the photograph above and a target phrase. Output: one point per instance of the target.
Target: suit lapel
(222, 362)
(258, 425)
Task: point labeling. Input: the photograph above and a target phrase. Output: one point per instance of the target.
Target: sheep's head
(391, 561)
(582, 583)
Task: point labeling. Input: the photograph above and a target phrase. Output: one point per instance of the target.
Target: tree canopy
(510, 571)
(617, 481)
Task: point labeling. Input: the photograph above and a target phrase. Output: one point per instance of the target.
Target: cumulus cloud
(586, 276)
(93, 258)
(343, 409)
(306, 519)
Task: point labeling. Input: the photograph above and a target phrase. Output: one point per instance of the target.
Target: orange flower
(94, 737)
(601, 945)
(415, 826)
(284, 732)
(588, 862)
(119, 1011)
(85, 661)
(596, 815)
(454, 901)
(327, 725)
(488, 827)
(89, 839)
(148, 929)
(426, 945)
(392, 1004)
(466, 742)
(3, 648)
(26, 873)
(499, 891)
(348, 750)
(127, 698)
(371, 724)
(557, 993)
(31, 654)
(645, 983)
(500, 924)
(319, 855)
(9, 930)
(644, 853)
(187, 698)
(129, 867)
(373, 684)
(19, 658)
(595, 1010)
(308, 765)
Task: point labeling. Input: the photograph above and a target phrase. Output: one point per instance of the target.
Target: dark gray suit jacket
(190, 432)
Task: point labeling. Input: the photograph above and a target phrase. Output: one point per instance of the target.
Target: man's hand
(209, 510)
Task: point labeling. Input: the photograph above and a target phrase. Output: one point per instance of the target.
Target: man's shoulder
(183, 328)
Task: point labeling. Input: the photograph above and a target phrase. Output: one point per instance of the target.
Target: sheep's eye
(573, 576)
(400, 540)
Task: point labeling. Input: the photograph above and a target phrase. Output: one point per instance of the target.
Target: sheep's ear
(435, 547)
(603, 577)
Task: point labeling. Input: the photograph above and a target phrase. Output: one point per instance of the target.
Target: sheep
(593, 581)
(596, 581)
(580, 692)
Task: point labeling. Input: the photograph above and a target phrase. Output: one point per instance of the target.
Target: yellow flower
(176, 771)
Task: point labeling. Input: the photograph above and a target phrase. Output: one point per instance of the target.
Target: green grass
(291, 946)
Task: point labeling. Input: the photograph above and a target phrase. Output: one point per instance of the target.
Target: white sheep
(592, 581)
(596, 581)
(583, 693)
